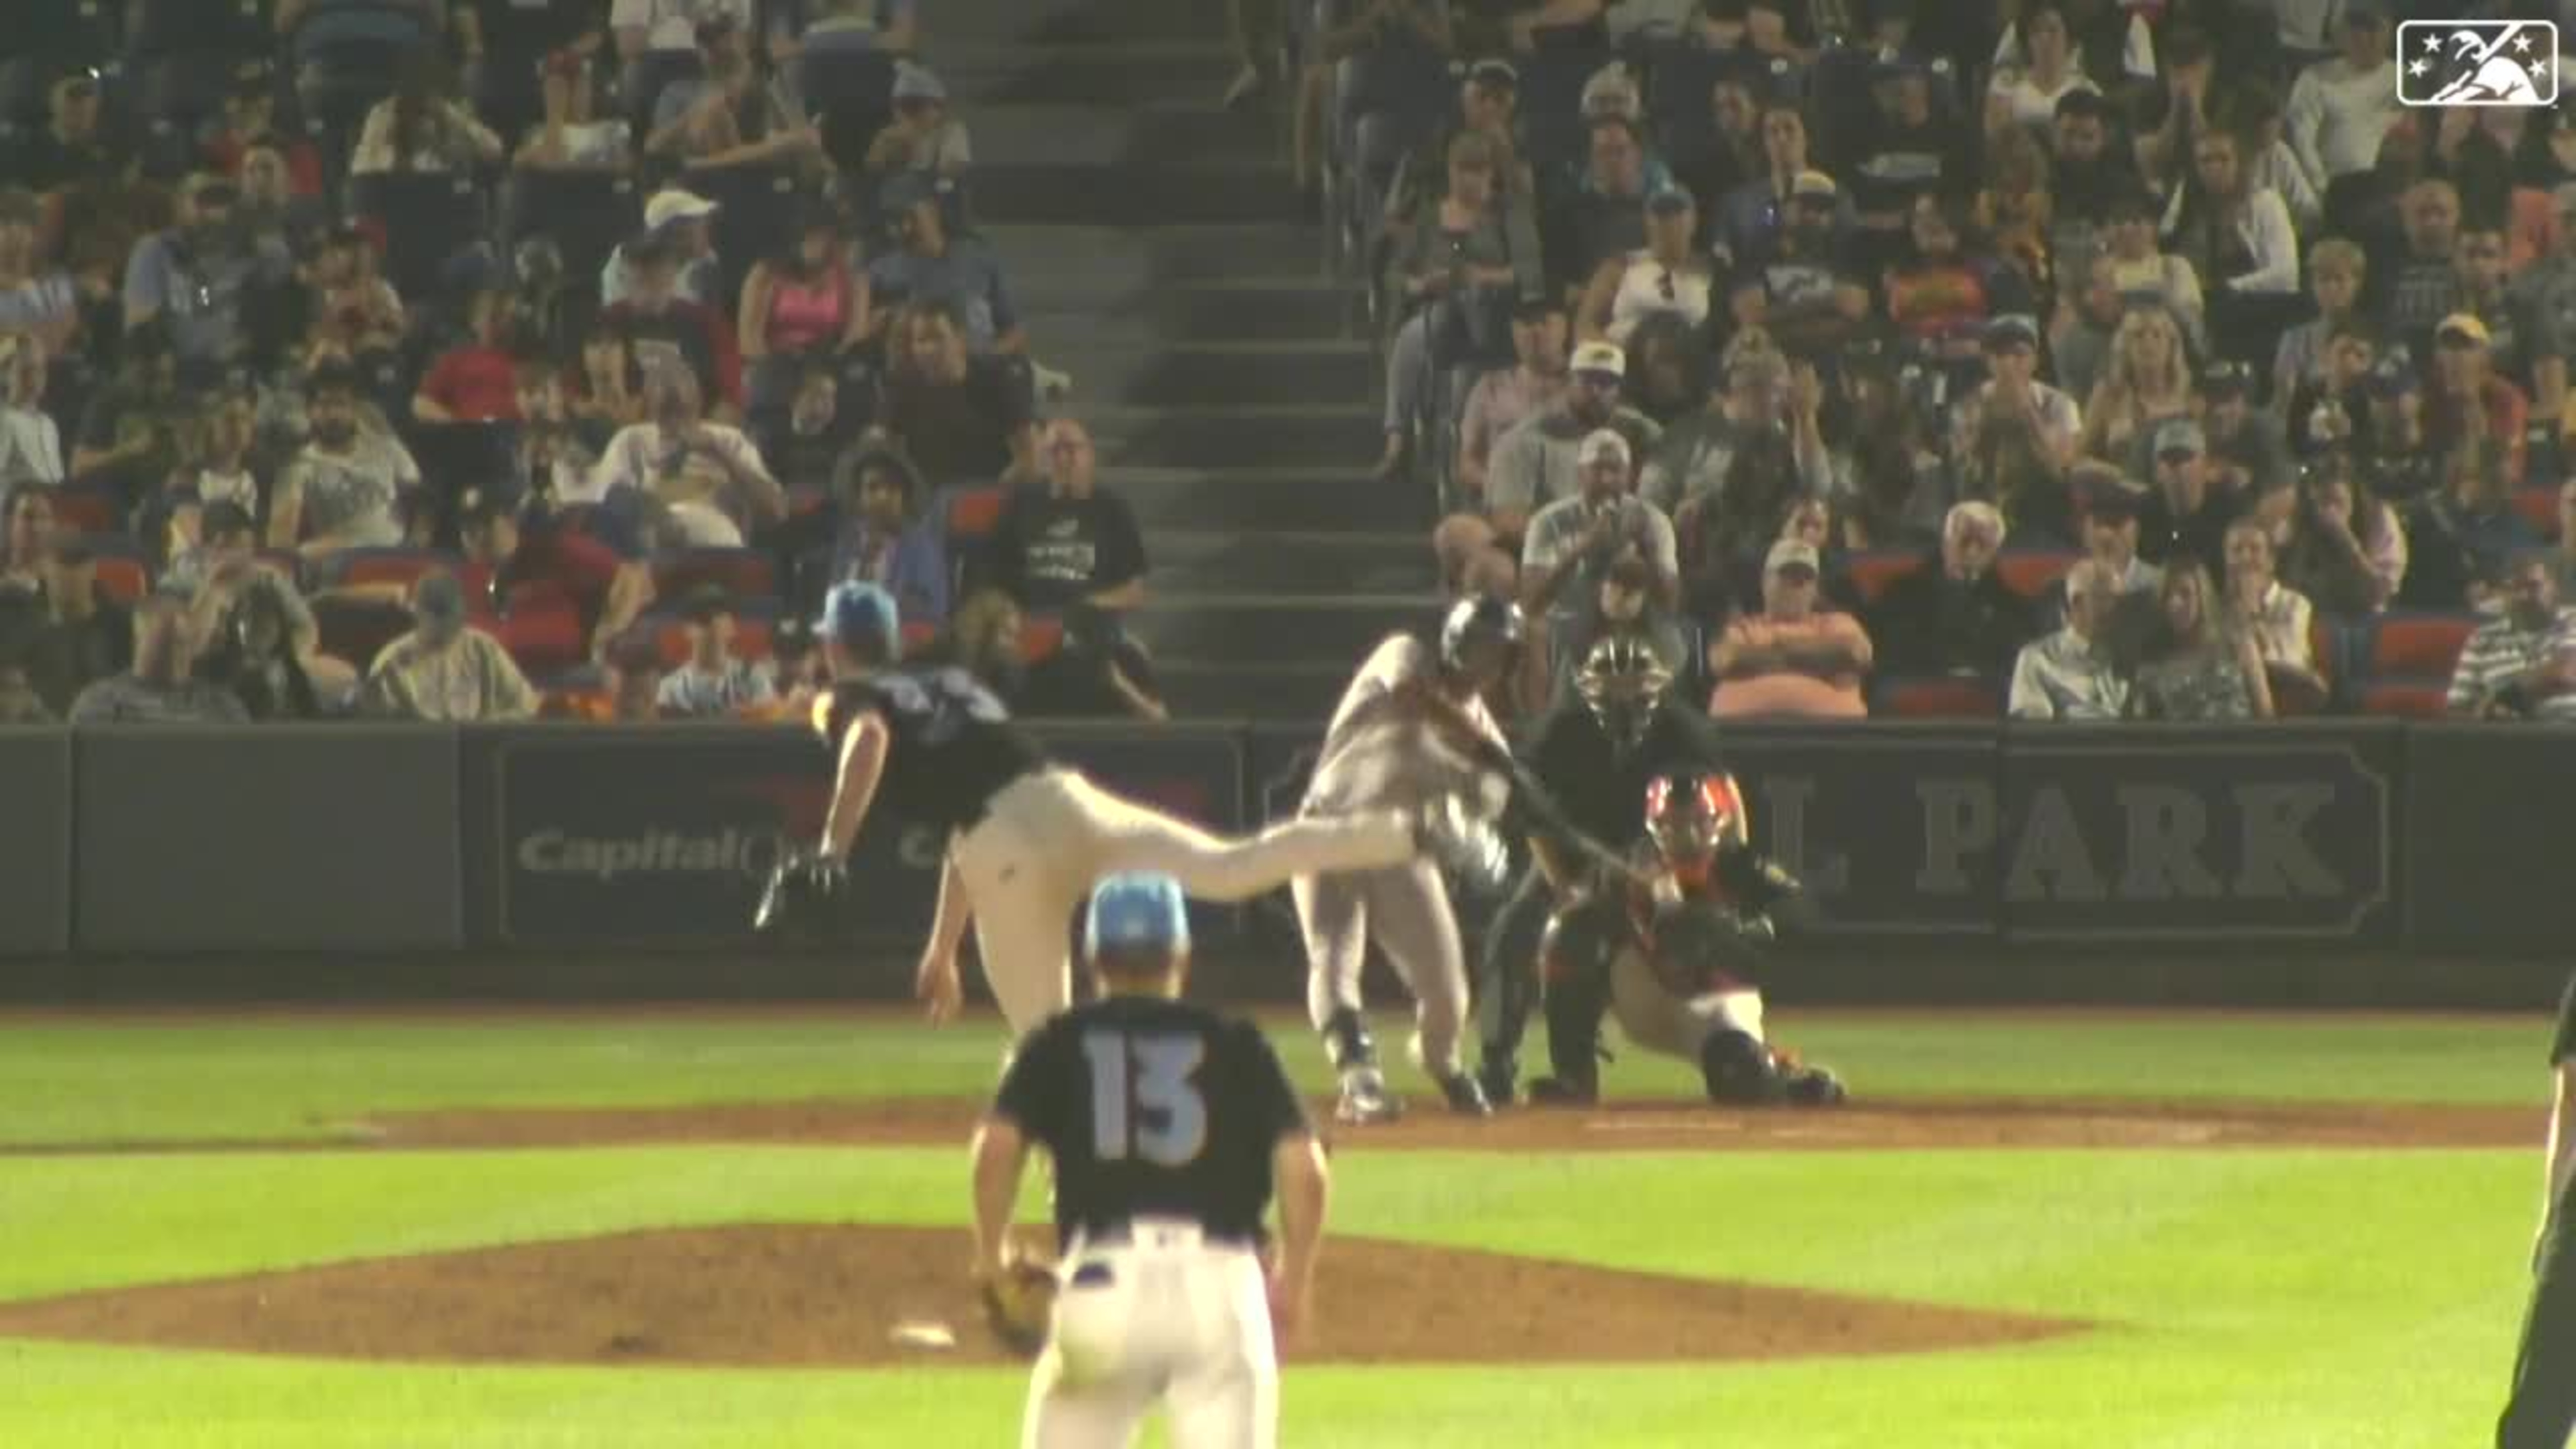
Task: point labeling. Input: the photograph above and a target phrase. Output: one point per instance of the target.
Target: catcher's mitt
(1019, 1303)
(1753, 881)
(1697, 941)
(801, 899)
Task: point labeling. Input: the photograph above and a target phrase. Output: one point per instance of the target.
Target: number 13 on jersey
(1145, 1099)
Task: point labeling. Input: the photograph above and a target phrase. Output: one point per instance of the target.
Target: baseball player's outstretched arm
(1305, 1187)
(1001, 1155)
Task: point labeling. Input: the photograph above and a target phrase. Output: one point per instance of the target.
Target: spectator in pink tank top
(800, 306)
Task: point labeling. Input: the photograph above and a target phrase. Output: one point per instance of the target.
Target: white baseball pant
(1406, 910)
(1048, 837)
(1162, 1317)
(1651, 1016)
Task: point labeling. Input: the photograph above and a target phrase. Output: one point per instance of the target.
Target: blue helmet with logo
(1136, 914)
(864, 617)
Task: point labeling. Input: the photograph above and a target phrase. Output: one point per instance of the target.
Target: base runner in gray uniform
(1411, 734)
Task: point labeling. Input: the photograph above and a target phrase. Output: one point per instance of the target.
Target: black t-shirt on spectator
(44, 163)
(961, 432)
(2201, 534)
(1049, 552)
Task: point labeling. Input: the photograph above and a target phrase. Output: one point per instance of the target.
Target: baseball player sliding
(1026, 836)
(1412, 733)
(1169, 1128)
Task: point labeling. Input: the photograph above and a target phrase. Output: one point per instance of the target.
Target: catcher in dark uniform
(1676, 953)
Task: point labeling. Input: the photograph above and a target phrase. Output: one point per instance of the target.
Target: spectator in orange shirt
(1790, 660)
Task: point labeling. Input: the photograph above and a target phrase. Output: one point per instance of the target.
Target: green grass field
(2250, 1299)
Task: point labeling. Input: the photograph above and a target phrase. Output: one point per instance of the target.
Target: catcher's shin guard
(1740, 1071)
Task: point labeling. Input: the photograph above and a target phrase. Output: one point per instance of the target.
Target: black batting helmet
(1470, 620)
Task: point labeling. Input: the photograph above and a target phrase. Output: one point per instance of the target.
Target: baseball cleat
(1814, 1087)
(1563, 1092)
(1501, 1082)
(1465, 1097)
(1366, 1101)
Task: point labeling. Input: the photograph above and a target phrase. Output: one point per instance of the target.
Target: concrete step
(1119, 259)
(1233, 689)
(1212, 374)
(1287, 311)
(1080, 73)
(1278, 561)
(1077, 194)
(1282, 627)
(1260, 499)
(1151, 134)
(1324, 438)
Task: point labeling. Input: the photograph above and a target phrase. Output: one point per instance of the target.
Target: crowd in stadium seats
(2065, 359)
(493, 359)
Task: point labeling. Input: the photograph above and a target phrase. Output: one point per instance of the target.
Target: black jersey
(1153, 1108)
(1602, 791)
(951, 746)
(2563, 1051)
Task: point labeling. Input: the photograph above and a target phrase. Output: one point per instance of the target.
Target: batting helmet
(1691, 817)
(1138, 919)
(1470, 621)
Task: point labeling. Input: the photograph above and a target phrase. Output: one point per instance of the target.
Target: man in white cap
(1535, 464)
(678, 220)
(1573, 542)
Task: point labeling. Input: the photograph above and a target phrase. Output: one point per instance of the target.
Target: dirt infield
(1613, 1127)
(832, 1296)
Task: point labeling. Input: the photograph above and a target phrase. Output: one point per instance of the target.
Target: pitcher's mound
(834, 1296)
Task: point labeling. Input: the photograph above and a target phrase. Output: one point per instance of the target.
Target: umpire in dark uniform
(1170, 1127)
(2541, 1413)
(1594, 755)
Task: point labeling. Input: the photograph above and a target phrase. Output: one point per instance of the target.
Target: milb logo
(2477, 63)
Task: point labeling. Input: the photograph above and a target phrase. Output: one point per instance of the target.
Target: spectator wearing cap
(2461, 537)
(241, 600)
(196, 275)
(2013, 407)
(2249, 451)
(2072, 674)
(571, 135)
(2521, 664)
(1955, 614)
(2423, 283)
(1668, 281)
(1751, 218)
(704, 477)
(713, 681)
(675, 220)
(248, 123)
(934, 266)
(1800, 293)
(923, 136)
(1502, 400)
(71, 147)
(800, 306)
(31, 446)
(2336, 272)
(885, 537)
(2544, 299)
(670, 332)
(34, 299)
(422, 126)
(1069, 542)
(555, 597)
(477, 380)
(443, 671)
(159, 688)
(2147, 379)
(962, 417)
(1690, 464)
(2187, 512)
(728, 115)
(1790, 660)
(2032, 77)
(2467, 402)
(2340, 109)
(1456, 275)
(1573, 542)
(342, 490)
(1907, 156)
(1535, 463)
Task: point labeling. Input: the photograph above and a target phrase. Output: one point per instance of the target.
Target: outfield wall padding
(35, 842)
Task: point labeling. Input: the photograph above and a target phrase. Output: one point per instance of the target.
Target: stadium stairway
(1159, 257)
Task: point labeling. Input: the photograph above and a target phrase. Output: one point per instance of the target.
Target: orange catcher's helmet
(1690, 816)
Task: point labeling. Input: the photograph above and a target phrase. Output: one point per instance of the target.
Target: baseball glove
(1019, 1303)
(801, 899)
(1695, 942)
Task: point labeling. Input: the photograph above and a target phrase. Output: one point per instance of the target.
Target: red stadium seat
(2421, 644)
(1956, 696)
(123, 578)
(402, 566)
(1874, 571)
(2418, 698)
(918, 637)
(974, 512)
(742, 573)
(2033, 572)
(2539, 508)
(1040, 637)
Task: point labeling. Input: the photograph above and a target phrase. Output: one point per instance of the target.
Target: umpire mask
(1622, 681)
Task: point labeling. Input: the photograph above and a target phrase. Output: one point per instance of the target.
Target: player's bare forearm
(1305, 1191)
(954, 912)
(1001, 1154)
(863, 755)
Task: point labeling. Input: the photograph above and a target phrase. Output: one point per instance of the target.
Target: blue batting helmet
(1139, 911)
(861, 614)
